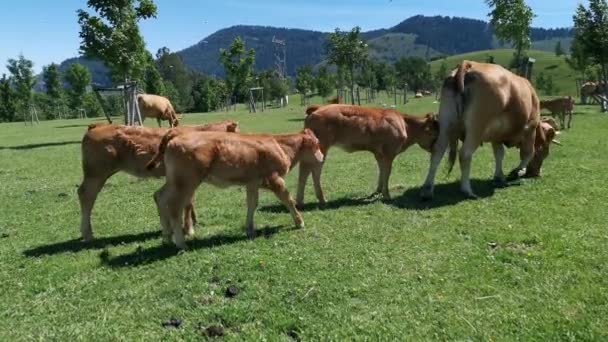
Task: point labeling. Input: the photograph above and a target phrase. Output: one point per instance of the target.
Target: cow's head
(545, 136)
(310, 150)
(429, 132)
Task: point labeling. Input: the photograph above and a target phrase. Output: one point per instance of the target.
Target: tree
(415, 72)
(324, 82)
(559, 51)
(78, 78)
(304, 81)
(238, 65)
(8, 105)
(54, 87)
(591, 36)
(511, 20)
(153, 81)
(347, 51)
(579, 61)
(441, 73)
(172, 68)
(113, 35)
(22, 78)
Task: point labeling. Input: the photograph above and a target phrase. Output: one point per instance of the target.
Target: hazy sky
(46, 31)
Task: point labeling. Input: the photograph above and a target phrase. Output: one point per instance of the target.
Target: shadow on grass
(73, 126)
(77, 245)
(445, 195)
(162, 251)
(296, 120)
(33, 146)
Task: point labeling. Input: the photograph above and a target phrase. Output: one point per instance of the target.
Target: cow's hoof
(499, 182)
(515, 175)
(470, 195)
(426, 194)
(300, 225)
(251, 233)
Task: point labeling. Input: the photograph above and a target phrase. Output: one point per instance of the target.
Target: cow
(561, 107)
(418, 95)
(384, 132)
(483, 102)
(253, 161)
(158, 107)
(108, 149)
(588, 90)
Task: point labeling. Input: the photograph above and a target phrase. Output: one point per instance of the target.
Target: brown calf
(108, 149)
(253, 161)
(384, 132)
(562, 106)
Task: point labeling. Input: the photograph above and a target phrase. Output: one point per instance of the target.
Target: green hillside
(393, 46)
(563, 76)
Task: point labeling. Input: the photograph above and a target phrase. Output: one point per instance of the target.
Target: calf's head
(545, 136)
(310, 150)
(429, 131)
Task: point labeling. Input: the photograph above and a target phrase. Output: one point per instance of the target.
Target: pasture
(527, 262)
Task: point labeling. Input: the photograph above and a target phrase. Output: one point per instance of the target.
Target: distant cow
(561, 107)
(384, 132)
(486, 103)
(108, 149)
(158, 107)
(253, 161)
(418, 95)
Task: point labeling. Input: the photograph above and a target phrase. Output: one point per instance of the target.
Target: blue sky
(46, 31)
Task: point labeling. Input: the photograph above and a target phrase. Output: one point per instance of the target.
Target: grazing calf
(384, 132)
(486, 103)
(562, 106)
(108, 149)
(253, 161)
(158, 107)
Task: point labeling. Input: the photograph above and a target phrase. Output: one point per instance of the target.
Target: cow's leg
(526, 154)
(161, 205)
(277, 185)
(499, 156)
(87, 195)
(439, 149)
(569, 118)
(466, 155)
(562, 119)
(316, 176)
(305, 170)
(381, 171)
(159, 122)
(189, 220)
(385, 165)
(252, 204)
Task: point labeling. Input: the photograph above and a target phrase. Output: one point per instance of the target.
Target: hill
(563, 75)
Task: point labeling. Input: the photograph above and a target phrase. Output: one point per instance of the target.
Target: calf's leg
(305, 170)
(385, 165)
(316, 176)
(252, 204)
(276, 184)
(87, 195)
(569, 119)
(161, 205)
(159, 122)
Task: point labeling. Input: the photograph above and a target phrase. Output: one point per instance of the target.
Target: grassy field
(547, 62)
(527, 262)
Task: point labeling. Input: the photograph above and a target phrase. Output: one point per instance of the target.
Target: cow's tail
(160, 154)
(455, 131)
(452, 153)
(312, 109)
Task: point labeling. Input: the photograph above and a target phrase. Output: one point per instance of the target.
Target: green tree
(579, 61)
(112, 35)
(415, 72)
(591, 36)
(54, 88)
(441, 74)
(304, 81)
(8, 105)
(22, 78)
(511, 20)
(559, 51)
(172, 69)
(238, 65)
(347, 51)
(78, 78)
(153, 81)
(324, 82)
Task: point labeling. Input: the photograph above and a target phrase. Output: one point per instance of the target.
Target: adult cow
(486, 103)
(158, 107)
(561, 107)
(384, 132)
(253, 161)
(108, 149)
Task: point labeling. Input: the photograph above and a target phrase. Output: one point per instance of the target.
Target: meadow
(527, 262)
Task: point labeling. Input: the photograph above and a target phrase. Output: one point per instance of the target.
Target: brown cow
(158, 107)
(108, 149)
(222, 160)
(561, 107)
(383, 132)
(483, 102)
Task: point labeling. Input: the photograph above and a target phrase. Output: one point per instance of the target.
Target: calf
(158, 107)
(384, 132)
(561, 106)
(108, 149)
(486, 103)
(253, 161)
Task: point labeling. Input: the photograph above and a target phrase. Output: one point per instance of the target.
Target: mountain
(421, 36)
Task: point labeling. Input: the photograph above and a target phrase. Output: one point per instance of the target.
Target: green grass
(523, 263)
(547, 62)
